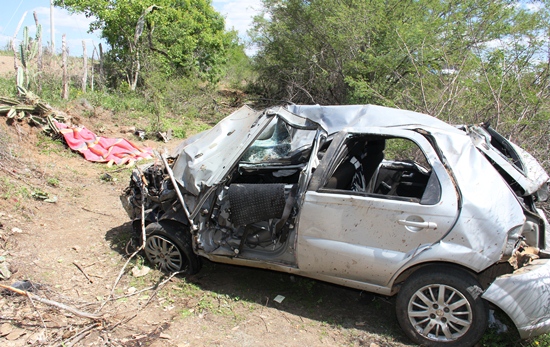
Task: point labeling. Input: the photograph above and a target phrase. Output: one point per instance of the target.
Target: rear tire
(168, 248)
(442, 309)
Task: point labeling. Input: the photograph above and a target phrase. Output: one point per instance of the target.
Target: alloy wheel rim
(163, 254)
(440, 312)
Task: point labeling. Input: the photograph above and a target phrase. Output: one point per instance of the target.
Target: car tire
(168, 248)
(437, 308)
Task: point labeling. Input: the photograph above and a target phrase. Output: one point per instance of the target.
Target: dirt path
(221, 306)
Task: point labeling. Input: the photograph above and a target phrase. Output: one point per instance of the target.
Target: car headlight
(542, 193)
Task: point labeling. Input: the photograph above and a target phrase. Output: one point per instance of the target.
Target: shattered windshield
(278, 142)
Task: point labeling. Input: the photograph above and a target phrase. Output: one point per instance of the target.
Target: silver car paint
(531, 178)
(203, 162)
(525, 297)
(486, 209)
(359, 237)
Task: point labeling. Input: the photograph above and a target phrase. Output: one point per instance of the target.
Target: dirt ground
(72, 251)
(6, 65)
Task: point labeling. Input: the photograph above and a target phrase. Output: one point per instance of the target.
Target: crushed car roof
(336, 118)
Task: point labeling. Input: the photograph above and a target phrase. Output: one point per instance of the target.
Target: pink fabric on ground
(101, 149)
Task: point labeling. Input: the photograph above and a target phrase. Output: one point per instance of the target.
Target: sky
(238, 15)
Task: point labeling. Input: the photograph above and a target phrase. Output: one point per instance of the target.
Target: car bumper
(525, 297)
(128, 206)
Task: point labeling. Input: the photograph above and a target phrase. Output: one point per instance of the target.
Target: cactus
(27, 51)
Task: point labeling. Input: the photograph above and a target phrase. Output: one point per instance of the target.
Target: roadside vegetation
(171, 65)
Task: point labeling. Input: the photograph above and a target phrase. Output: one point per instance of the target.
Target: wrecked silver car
(384, 200)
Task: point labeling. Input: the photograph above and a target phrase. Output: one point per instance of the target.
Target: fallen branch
(100, 213)
(83, 272)
(53, 303)
(36, 309)
(80, 335)
(157, 288)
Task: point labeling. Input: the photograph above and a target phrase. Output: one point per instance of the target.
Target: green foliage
(464, 62)
(240, 71)
(28, 48)
(8, 87)
(171, 36)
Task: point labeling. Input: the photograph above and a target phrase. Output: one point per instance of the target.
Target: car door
(368, 236)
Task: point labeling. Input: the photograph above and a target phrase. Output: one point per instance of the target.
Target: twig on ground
(53, 303)
(111, 294)
(286, 317)
(83, 272)
(80, 335)
(263, 320)
(157, 288)
(37, 311)
(100, 213)
(266, 302)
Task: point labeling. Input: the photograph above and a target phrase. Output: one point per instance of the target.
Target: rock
(4, 271)
(16, 230)
(140, 272)
(165, 336)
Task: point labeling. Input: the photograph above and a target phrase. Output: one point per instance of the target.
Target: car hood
(205, 159)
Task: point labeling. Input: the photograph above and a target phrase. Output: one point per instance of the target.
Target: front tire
(168, 248)
(436, 308)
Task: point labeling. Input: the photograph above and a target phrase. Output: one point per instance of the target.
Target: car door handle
(419, 225)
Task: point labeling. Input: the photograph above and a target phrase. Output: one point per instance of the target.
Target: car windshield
(279, 142)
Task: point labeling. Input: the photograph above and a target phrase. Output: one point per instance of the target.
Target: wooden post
(65, 89)
(52, 28)
(85, 67)
(92, 67)
(101, 64)
(39, 59)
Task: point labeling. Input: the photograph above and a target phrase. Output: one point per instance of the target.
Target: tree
(185, 36)
(434, 56)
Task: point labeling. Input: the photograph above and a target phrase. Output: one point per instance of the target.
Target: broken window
(385, 167)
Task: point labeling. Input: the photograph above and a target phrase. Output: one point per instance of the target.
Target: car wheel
(436, 309)
(168, 248)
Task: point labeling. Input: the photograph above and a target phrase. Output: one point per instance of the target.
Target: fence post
(101, 80)
(85, 73)
(92, 67)
(65, 89)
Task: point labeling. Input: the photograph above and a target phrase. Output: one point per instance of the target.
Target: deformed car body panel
(525, 297)
(207, 159)
(336, 118)
(360, 236)
(364, 239)
(481, 231)
(521, 166)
